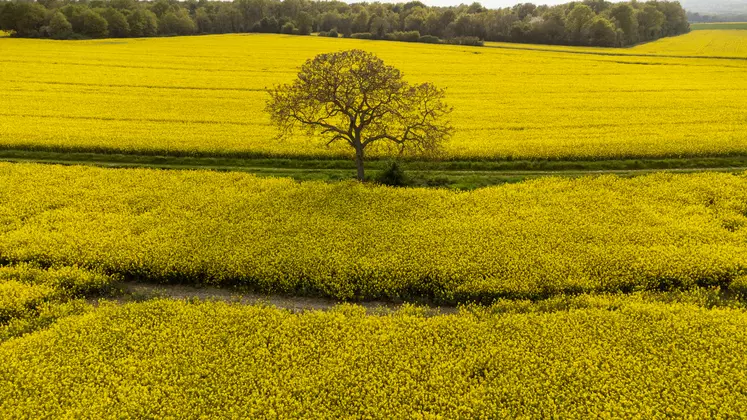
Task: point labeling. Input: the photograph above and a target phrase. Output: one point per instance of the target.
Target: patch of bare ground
(136, 291)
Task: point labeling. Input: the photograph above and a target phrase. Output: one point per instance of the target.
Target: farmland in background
(706, 43)
(571, 297)
(204, 96)
(718, 26)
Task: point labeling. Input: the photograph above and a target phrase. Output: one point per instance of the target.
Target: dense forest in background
(590, 22)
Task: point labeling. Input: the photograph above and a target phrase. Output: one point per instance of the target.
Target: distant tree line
(590, 22)
(718, 18)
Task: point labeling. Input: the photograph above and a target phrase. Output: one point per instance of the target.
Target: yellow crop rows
(347, 240)
(204, 95)
(720, 44)
(31, 298)
(171, 359)
(590, 297)
(712, 43)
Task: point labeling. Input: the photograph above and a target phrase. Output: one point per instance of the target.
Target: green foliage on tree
(143, 23)
(650, 23)
(602, 32)
(117, 22)
(578, 22)
(74, 14)
(23, 19)
(584, 22)
(288, 28)
(353, 98)
(176, 23)
(59, 27)
(625, 18)
(94, 25)
(304, 23)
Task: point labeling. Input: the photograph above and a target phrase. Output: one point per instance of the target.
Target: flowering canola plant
(205, 96)
(173, 359)
(32, 298)
(351, 241)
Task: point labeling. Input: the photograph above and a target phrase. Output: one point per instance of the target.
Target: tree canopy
(353, 97)
(587, 22)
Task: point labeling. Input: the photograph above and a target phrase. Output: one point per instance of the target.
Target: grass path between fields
(453, 174)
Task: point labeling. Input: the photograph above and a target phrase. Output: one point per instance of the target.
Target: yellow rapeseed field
(720, 44)
(31, 298)
(604, 296)
(715, 43)
(171, 359)
(348, 240)
(204, 96)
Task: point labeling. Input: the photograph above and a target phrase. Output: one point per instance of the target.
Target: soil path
(134, 291)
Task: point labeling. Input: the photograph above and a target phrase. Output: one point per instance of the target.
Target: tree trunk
(359, 163)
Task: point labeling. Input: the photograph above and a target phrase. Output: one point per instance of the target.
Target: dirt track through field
(133, 291)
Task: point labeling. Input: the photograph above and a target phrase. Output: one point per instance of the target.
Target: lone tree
(354, 98)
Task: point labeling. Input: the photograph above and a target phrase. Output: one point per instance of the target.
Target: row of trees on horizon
(588, 22)
(716, 18)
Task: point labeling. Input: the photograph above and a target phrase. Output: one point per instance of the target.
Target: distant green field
(718, 25)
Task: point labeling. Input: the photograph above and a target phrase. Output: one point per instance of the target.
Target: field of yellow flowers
(352, 241)
(205, 96)
(599, 296)
(620, 358)
(712, 43)
(32, 298)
